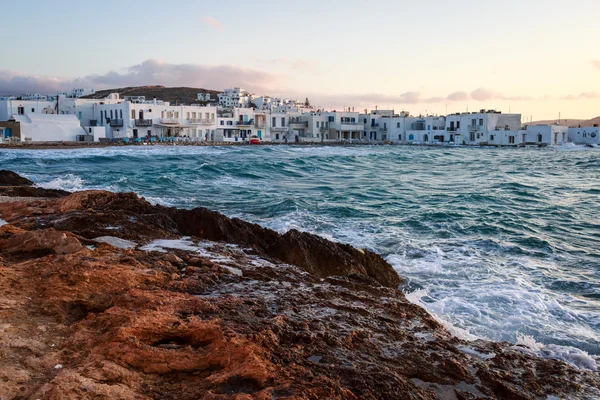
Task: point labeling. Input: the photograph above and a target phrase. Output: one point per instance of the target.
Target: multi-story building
(235, 97)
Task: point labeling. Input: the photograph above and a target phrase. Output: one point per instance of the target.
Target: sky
(535, 57)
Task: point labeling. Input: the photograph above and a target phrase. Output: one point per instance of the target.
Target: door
(7, 133)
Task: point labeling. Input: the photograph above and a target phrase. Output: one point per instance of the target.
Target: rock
(312, 253)
(173, 259)
(10, 178)
(30, 191)
(39, 243)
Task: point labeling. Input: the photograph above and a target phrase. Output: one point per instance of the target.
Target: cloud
(482, 94)
(582, 96)
(149, 72)
(213, 23)
(458, 96)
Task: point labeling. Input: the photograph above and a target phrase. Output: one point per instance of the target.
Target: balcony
(116, 122)
(474, 127)
(169, 121)
(93, 122)
(143, 122)
(324, 128)
(298, 124)
(279, 129)
(246, 123)
(349, 126)
(383, 128)
(451, 129)
(198, 121)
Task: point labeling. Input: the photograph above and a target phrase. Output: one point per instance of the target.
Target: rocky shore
(105, 296)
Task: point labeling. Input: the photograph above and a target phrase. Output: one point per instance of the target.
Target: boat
(254, 140)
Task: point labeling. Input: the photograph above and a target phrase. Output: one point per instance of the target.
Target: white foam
(69, 182)
(184, 243)
(3, 222)
(571, 355)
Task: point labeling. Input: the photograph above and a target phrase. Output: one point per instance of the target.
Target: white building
(240, 124)
(585, 135)
(80, 92)
(235, 97)
(204, 97)
(36, 127)
(552, 135)
(11, 107)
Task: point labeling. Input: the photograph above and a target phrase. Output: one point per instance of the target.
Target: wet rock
(10, 178)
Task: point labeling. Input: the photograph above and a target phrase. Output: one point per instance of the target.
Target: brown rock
(10, 178)
(40, 243)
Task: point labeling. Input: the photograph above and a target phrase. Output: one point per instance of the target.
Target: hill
(174, 95)
(569, 122)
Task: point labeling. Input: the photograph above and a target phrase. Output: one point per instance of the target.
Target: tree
(306, 103)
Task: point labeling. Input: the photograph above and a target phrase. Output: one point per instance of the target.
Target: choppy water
(499, 243)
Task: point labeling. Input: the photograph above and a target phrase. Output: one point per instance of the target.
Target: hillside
(174, 95)
(569, 122)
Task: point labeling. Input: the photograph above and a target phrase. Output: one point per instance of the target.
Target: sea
(497, 244)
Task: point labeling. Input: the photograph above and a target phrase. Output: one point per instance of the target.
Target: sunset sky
(535, 57)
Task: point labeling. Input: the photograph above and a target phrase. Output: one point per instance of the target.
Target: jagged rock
(10, 178)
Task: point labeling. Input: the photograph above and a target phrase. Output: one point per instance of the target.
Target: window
(474, 121)
(274, 122)
(33, 110)
(491, 138)
(480, 121)
(121, 113)
(398, 125)
(149, 132)
(472, 137)
(364, 121)
(511, 139)
(111, 114)
(222, 122)
(283, 122)
(176, 114)
(540, 138)
(457, 124)
(411, 137)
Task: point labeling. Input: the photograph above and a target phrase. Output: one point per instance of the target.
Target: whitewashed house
(235, 97)
(584, 135)
(552, 135)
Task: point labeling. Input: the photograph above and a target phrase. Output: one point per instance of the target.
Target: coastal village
(237, 116)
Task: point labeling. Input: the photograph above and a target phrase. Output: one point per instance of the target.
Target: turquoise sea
(501, 244)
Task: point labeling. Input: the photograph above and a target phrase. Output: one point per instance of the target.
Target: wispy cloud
(582, 96)
(213, 23)
(149, 72)
(458, 96)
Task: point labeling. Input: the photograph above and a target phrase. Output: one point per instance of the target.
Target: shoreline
(84, 145)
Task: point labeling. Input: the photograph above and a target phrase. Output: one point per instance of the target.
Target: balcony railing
(93, 122)
(279, 129)
(169, 120)
(324, 128)
(383, 128)
(474, 127)
(245, 123)
(143, 122)
(198, 121)
(452, 129)
(299, 124)
(116, 122)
